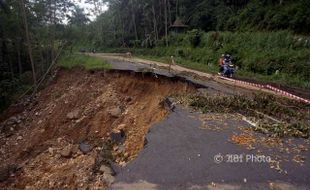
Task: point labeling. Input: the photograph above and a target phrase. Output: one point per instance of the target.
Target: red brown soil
(35, 144)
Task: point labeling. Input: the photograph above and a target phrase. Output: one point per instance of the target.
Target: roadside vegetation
(280, 57)
(69, 61)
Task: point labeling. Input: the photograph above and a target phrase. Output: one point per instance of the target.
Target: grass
(283, 79)
(211, 68)
(70, 61)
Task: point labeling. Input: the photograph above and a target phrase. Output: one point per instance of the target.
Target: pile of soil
(62, 137)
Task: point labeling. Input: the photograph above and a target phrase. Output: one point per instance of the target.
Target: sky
(87, 8)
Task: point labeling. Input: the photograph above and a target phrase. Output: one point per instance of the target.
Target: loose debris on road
(272, 115)
(275, 123)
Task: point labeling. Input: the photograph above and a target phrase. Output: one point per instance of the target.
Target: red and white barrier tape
(282, 92)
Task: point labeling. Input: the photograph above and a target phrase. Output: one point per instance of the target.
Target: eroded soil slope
(60, 139)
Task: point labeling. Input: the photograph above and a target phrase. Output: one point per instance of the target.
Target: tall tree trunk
(22, 5)
(169, 13)
(42, 60)
(1, 41)
(133, 15)
(135, 26)
(9, 61)
(155, 22)
(176, 8)
(19, 43)
(114, 28)
(166, 23)
(18, 48)
(53, 30)
(123, 28)
(160, 17)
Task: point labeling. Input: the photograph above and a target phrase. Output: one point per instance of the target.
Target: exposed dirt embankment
(60, 138)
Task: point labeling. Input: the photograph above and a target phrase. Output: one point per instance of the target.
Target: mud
(40, 138)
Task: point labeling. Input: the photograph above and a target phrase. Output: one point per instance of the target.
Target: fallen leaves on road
(243, 139)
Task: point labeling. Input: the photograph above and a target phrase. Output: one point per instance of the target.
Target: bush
(194, 37)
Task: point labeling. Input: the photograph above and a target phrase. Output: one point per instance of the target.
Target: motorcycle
(228, 68)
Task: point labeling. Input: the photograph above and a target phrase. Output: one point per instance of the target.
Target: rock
(12, 120)
(121, 126)
(169, 104)
(66, 152)
(73, 115)
(109, 179)
(51, 150)
(115, 148)
(115, 112)
(122, 163)
(121, 148)
(107, 170)
(145, 141)
(7, 171)
(75, 150)
(59, 140)
(128, 99)
(19, 138)
(85, 148)
(4, 173)
(108, 174)
(117, 135)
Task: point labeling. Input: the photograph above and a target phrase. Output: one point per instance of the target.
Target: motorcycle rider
(227, 61)
(221, 64)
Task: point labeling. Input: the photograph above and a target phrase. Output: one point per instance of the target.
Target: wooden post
(171, 63)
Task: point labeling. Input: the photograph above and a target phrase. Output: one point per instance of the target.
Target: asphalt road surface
(180, 154)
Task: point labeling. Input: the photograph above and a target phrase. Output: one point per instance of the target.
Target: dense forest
(263, 35)
(130, 21)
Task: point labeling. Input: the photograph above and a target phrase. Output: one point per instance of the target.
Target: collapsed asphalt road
(213, 86)
(181, 154)
(61, 138)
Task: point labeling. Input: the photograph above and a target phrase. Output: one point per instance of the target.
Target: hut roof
(178, 24)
